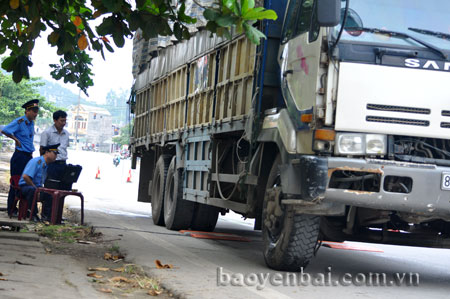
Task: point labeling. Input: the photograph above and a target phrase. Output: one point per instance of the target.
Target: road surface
(205, 268)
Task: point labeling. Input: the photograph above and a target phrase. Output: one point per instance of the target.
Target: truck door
(300, 57)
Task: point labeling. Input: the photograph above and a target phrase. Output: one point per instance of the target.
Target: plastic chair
(23, 203)
(57, 203)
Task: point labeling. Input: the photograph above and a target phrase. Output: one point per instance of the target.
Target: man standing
(21, 130)
(56, 134)
(35, 173)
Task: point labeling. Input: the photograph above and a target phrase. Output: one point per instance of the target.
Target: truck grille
(400, 109)
(421, 150)
(401, 121)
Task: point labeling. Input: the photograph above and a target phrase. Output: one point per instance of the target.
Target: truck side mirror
(328, 12)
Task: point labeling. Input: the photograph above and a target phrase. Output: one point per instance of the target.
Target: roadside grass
(128, 279)
(66, 233)
(114, 249)
(109, 275)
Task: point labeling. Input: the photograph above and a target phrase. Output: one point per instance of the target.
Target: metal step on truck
(335, 128)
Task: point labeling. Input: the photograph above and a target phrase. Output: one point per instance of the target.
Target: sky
(113, 73)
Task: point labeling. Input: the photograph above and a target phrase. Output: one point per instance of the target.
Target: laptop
(70, 176)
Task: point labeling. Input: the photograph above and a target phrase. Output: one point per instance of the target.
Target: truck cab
(363, 135)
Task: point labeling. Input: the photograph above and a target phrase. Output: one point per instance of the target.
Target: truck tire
(158, 185)
(205, 218)
(177, 212)
(288, 239)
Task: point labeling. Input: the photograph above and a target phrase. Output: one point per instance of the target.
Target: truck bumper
(425, 197)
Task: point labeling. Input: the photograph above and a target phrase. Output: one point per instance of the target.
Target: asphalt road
(205, 268)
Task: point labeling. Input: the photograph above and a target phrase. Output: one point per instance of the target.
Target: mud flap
(306, 177)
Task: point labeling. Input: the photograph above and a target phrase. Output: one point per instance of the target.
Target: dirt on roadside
(106, 267)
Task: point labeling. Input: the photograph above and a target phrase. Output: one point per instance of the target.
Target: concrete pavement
(28, 270)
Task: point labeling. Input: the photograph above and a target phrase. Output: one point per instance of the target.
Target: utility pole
(76, 121)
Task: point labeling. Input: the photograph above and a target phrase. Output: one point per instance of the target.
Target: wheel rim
(273, 222)
(156, 198)
(170, 198)
(157, 189)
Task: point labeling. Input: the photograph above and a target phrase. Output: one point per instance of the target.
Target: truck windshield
(426, 21)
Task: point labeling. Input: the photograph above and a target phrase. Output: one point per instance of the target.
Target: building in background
(94, 124)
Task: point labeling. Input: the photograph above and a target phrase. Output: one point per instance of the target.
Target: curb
(19, 236)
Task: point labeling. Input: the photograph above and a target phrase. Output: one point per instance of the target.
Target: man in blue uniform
(21, 130)
(35, 173)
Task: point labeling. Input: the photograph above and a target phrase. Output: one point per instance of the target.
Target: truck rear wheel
(177, 212)
(205, 218)
(158, 185)
(288, 239)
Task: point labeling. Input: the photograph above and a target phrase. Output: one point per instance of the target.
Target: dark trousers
(28, 194)
(17, 164)
(55, 172)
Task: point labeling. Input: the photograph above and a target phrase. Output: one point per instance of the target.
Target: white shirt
(51, 136)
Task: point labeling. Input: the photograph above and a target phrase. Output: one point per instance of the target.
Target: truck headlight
(360, 144)
(349, 144)
(376, 144)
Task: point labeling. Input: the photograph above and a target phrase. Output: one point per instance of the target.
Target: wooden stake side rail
(217, 85)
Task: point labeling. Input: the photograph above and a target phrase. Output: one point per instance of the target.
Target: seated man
(34, 174)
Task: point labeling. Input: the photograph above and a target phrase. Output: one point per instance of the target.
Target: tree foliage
(13, 96)
(72, 29)
(124, 135)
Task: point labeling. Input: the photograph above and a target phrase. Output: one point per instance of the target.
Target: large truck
(335, 128)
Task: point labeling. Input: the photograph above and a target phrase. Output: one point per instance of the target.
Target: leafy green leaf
(257, 9)
(211, 26)
(3, 45)
(109, 48)
(70, 28)
(84, 10)
(246, 5)
(178, 31)
(225, 21)
(106, 27)
(135, 20)
(9, 63)
(260, 15)
(118, 40)
(253, 34)
(17, 75)
(53, 38)
(186, 34)
(211, 14)
(230, 4)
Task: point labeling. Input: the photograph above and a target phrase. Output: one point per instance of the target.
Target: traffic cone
(97, 176)
(129, 177)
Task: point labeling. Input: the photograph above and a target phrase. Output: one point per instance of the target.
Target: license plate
(445, 184)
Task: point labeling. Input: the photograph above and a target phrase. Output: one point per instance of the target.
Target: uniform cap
(51, 148)
(31, 104)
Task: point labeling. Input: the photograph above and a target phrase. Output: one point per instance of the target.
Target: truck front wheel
(177, 212)
(157, 191)
(289, 239)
